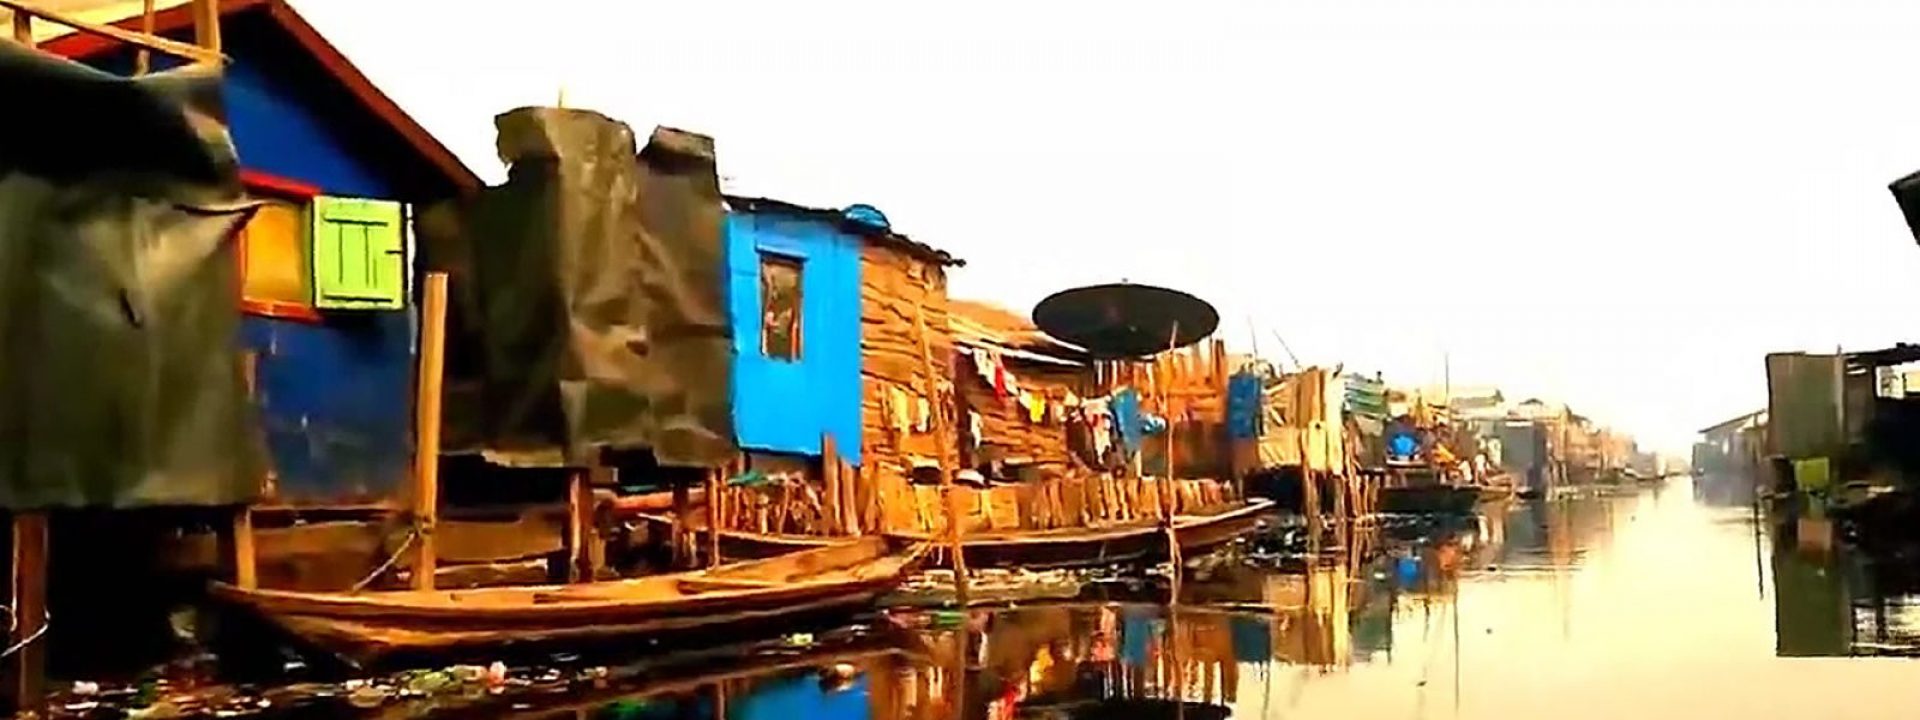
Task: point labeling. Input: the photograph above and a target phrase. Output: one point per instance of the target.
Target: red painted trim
(280, 310)
(277, 186)
(80, 45)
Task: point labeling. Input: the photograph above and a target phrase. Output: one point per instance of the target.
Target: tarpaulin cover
(120, 375)
(590, 312)
(1803, 405)
(1906, 192)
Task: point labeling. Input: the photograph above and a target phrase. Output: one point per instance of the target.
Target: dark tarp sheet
(588, 305)
(120, 377)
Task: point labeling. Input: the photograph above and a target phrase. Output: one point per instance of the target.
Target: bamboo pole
(143, 58)
(246, 564)
(426, 453)
(23, 32)
(26, 668)
(947, 491)
(582, 532)
(714, 485)
(830, 484)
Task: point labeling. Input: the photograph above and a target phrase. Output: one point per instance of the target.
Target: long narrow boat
(1066, 547)
(365, 627)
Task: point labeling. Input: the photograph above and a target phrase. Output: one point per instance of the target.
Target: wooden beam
(715, 481)
(426, 452)
(26, 668)
(582, 530)
(954, 542)
(23, 28)
(193, 53)
(246, 560)
(830, 483)
(143, 60)
(206, 24)
(682, 505)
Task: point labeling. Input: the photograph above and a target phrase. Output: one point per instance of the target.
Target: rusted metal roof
(880, 236)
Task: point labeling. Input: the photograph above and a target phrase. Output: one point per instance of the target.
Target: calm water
(1650, 604)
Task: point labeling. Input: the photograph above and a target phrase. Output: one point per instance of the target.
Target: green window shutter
(359, 254)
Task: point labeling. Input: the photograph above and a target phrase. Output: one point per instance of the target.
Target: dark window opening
(780, 307)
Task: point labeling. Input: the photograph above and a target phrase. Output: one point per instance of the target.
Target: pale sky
(1623, 205)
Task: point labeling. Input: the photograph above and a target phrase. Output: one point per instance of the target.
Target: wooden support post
(583, 531)
(851, 494)
(830, 484)
(715, 483)
(246, 567)
(955, 544)
(26, 669)
(682, 506)
(206, 24)
(22, 28)
(426, 451)
(143, 58)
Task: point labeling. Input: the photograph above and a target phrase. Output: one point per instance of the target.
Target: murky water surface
(1642, 603)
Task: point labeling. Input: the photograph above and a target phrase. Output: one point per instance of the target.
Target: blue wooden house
(794, 292)
(328, 274)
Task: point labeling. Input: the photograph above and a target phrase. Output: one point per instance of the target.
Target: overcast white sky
(1621, 204)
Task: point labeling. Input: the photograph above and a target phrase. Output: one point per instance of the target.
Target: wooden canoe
(1065, 547)
(368, 626)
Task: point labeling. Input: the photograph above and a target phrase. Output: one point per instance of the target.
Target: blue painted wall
(783, 406)
(335, 398)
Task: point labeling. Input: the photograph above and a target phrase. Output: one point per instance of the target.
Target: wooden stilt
(830, 483)
(246, 566)
(715, 482)
(26, 668)
(206, 24)
(583, 533)
(955, 543)
(682, 505)
(143, 58)
(426, 451)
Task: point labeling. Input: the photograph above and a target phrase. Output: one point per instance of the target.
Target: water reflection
(1640, 604)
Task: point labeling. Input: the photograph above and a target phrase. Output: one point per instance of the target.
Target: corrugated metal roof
(839, 217)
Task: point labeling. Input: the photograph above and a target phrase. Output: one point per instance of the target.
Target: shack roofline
(1726, 425)
(839, 218)
(80, 46)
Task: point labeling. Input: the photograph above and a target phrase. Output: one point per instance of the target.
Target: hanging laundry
(1243, 406)
(975, 428)
(1126, 418)
(983, 366)
(1035, 407)
(1151, 424)
(899, 413)
(1099, 425)
(922, 415)
(1072, 401)
(1056, 412)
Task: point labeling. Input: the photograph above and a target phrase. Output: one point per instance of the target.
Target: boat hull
(1038, 549)
(370, 627)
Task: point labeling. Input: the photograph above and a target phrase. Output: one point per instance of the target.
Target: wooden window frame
(278, 188)
(799, 264)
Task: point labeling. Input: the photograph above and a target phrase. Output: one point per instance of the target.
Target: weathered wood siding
(892, 284)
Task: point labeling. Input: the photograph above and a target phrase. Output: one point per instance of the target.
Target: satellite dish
(1125, 321)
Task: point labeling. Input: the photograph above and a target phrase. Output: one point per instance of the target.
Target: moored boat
(366, 627)
(1054, 548)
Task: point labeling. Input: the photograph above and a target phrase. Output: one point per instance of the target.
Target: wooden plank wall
(1005, 426)
(892, 282)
